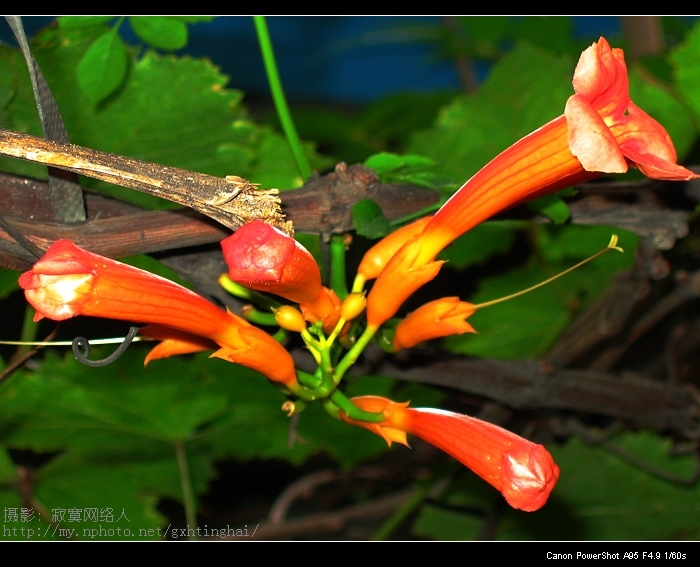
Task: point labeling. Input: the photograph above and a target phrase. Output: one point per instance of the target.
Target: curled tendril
(81, 350)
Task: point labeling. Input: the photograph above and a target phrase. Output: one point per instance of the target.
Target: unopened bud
(353, 305)
(290, 318)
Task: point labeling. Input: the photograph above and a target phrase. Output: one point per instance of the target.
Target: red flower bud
(263, 258)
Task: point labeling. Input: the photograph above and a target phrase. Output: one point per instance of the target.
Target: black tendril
(20, 239)
(81, 350)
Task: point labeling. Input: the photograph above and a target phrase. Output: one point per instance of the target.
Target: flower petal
(256, 349)
(440, 318)
(173, 343)
(590, 139)
(399, 279)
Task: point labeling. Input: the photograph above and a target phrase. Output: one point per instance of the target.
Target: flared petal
(173, 343)
(400, 278)
(440, 318)
(257, 350)
(378, 256)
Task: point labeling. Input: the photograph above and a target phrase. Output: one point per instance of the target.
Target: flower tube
(522, 471)
(69, 281)
(378, 256)
(601, 131)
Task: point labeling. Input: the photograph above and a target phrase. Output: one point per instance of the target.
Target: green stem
(186, 482)
(338, 277)
(29, 331)
(258, 317)
(309, 380)
(334, 335)
(397, 518)
(611, 246)
(353, 354)
(235, 289)
(278, 97)
(352, 411)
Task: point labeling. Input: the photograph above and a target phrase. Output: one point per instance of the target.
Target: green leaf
(665, 106)
(7, 468)
(526, 326)
(80, 22)
(559, 36)
(273, 165)
(385, 162)
(193, 19)
(8, 282)
(174, 111)
(120, 408)
(686, 63)
(86, 493)
(409, 168)
(103, 67)
(444, 524)
(526, 89)
(161, 32)
(369, 220)
(552, 207)
(480, 243)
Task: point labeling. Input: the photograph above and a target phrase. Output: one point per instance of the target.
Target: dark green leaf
(7, 468)
(686, 62)
(369, 220)
(445, 524)
(385, 162)
(526, 89)
(526, 326)
(557, 39)
(479, 244)
(193, 19)
(8, 282)
(171, 111)
(552, 207)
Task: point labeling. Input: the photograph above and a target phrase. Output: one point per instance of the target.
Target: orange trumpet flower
(601, 131)
(522, 471)
(69, 281)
